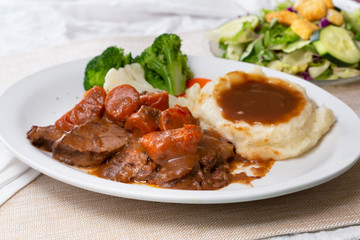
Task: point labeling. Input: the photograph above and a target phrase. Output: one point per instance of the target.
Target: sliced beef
(214, 151)
(211, 171)
(175, 169)
(198, 180)
(131, 164)
(90, 144)
(44, 137)
(208, 169)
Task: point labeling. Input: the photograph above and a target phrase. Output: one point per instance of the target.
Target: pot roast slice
(44, 137)
(90, 144)
(129, 165)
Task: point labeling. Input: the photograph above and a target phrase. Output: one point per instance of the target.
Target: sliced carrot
(159, 100)
(144, 121)
(121, 102)
(165, 145)
(201, 81)
(189, 83)
(92, 105)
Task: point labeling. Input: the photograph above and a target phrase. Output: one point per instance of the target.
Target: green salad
(312, 39)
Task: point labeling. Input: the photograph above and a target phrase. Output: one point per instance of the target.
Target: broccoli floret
(96, 69)
(165, 65)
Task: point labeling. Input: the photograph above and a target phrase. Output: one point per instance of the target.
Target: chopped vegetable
(344, 72)
(231, 29)
(201, 81)
(121, 102)
(316, 71)
(170, 144)
(158, 100)
(324, 23)
(96, 69)
(143, 121)
(165, 65)
(296, 45)
(162, 66)
(132, 74)
(336, 44)
(91, 106)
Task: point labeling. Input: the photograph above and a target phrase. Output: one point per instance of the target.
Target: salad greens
(164, 64)
(332, 52)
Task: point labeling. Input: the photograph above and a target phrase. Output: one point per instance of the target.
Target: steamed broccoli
(164, 64)
(96, 69)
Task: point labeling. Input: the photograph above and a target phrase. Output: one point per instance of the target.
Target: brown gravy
(257, 99)
(258, 168)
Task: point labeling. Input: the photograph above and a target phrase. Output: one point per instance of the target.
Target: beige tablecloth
(49, 209)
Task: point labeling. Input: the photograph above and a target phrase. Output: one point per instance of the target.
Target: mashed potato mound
(277, 141)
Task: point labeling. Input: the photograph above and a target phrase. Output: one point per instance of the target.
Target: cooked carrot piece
(165, 145)
(176, 117)
(145, 120)
(201, 81)
(92, 105)
(159, 100)
(121, 102)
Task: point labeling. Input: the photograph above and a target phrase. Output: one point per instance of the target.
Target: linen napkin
(14, 174)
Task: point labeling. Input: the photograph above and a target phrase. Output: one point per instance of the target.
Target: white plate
(44, 96)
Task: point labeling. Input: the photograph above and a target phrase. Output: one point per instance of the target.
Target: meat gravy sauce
(257, 99)
(147, 143)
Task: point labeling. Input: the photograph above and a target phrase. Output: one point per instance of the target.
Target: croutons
(297, 3)
(328, 3)
(334, 17)
(304, 28)
(312, 9)
(284, 17)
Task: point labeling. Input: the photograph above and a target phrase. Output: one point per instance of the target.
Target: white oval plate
(44, 96)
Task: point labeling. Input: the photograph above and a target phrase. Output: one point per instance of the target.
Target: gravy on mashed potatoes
(265, 118)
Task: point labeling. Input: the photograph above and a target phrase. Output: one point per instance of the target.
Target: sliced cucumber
(335, 44)
(229, 30)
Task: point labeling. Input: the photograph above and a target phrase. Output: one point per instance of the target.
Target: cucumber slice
(229, 30)
(336, 45)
